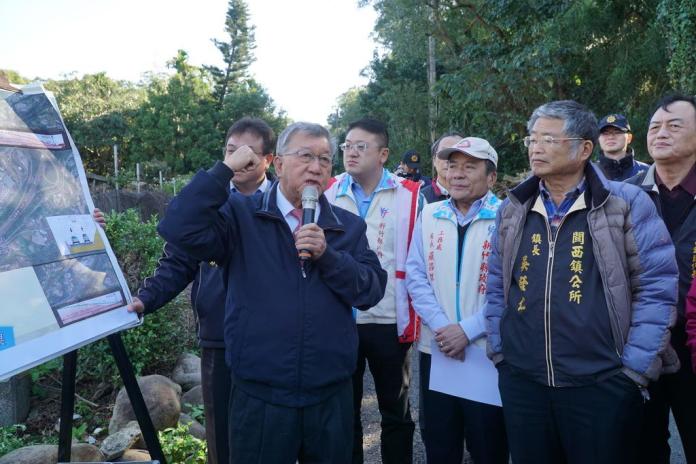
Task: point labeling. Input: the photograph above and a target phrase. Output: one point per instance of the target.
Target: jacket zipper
(300, 316)
(195, 301)
(547, 306)
(550, 376)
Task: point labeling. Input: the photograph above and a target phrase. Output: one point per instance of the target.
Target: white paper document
(475, 379)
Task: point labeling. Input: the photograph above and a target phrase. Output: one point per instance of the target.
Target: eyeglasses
(547, 140)
(306, 157)
(360, 147)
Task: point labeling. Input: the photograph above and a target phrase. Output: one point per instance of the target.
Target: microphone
(310, 196)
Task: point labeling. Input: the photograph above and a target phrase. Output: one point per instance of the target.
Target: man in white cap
(446, 276)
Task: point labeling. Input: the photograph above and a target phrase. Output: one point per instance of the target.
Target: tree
(678, 17)
(99, 112)
(177, 122)
(236, 52)
(13, 77)
(496, 60)
(249, 98)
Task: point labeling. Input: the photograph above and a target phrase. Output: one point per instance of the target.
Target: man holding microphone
(290, 338)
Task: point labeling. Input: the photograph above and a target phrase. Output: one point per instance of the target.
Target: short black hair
(256, 126)
(490, 167)
(373, 126)
(670, 98)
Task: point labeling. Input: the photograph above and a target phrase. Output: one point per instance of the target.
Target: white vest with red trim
(390, 220)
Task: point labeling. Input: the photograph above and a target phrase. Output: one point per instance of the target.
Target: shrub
(135, 243)
(180, 447)
(163, 335)
(13, 437)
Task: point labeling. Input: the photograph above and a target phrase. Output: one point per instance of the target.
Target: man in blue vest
(446, 274)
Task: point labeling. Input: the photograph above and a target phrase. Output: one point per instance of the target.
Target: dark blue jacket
(623, 169)
(175, 270)
(289, 340)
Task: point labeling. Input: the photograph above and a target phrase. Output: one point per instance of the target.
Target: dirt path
(371, 418)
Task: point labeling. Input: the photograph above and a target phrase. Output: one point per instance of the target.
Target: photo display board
(60, 284)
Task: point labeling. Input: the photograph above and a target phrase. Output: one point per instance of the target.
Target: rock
(14, 399)
(45, 454)
(195, 428)
(162, 397)
(31, 455)
(187, 372)
(118, 443)
(83, 452)
(193, 397)
(134, 455)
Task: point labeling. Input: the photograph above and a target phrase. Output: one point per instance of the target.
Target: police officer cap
(411, 159)
(615, 120)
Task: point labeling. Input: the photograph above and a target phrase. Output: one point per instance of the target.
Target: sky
(308, 52)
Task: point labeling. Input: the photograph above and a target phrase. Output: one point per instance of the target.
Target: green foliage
(196, 412)
(174, 123)
(135, 243)
(79, 432)
(177, 122)
(181, 448)
(176, 183)
(679, 20)
(163, 335)
(236, 52)
(11, 438)
(13, 77)
(248, 98)
(99, 112)
(497, 60)
(40, 371)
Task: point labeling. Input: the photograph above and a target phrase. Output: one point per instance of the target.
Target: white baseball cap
(472, 146)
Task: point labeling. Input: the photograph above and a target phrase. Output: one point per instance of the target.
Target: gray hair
(436, 143)
(309, 128)
(578, 120)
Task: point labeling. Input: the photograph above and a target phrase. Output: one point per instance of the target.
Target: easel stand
(125, 368)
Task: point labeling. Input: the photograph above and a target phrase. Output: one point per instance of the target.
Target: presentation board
(60, 284)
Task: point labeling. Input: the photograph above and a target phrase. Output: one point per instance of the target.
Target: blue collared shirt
(464, 219)
(557, 213)
(362, 200)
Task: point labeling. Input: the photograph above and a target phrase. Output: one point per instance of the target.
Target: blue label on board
(6, 337)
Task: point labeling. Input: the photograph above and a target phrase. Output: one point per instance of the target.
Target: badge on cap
(611, 119)
(414, 158)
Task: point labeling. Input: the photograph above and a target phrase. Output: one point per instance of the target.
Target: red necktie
(297, 214)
